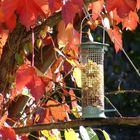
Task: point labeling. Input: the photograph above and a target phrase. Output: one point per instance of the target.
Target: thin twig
(122, 92)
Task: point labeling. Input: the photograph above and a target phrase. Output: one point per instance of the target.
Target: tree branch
(76, 123)
(122, 92)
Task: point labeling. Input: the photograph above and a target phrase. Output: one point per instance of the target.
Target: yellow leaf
(76, 110)
(70, 135)
(77, 76)
(54, 134)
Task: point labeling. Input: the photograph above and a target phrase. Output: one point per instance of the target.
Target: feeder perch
(92, 77)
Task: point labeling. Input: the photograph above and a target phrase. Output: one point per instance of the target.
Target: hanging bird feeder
(92, 77)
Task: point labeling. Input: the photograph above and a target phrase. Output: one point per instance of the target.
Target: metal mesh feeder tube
(92, 77)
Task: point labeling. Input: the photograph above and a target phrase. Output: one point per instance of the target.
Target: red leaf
(114, 17)
(27, 77)
(131, 21)
(123, 7)
(97, 8)
(11, 6)
(54, 5)
(75, 43)
(7, 133)
(24, 137)
(78, 3)
(47, 40)
(9, 16)
(24, 76)
(1, 15)
(68, 12)
(11, 22)
(38, 89)
(116, 37)
(138, 4)
(73, 98)
(67, 67)
(28, 10)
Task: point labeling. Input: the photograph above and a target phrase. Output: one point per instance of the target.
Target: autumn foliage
(48, 89)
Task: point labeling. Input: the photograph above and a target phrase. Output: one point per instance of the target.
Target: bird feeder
(92, 77)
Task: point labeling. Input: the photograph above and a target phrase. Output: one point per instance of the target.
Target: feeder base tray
(92, 112)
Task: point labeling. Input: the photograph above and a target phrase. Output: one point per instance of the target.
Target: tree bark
(134, 121)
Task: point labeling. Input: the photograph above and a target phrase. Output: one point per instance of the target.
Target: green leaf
(39, 43)
(19, 59)
(107, 137)
(92, 134)
(27, 48)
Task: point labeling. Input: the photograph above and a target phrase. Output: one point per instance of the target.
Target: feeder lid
(93, 45)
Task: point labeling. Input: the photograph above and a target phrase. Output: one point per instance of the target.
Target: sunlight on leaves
(77, 76)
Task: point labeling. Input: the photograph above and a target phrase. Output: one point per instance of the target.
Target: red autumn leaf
(28, 11)
(24, 76)
(75, 43)
(1, 15)
(7, 133)
(97, 8)
(9, 8)
(27, 77)
(58, 112)
(11, 22)
(47, 40)
(116, 37)
(78, 3)
(38, 89)
(9, 16)
(54, 5)
(69, 11)
(73, 98)
(67, 67)
(138, 4)
(123, 7)
(131, 21)
(24, 137)
(114, 17)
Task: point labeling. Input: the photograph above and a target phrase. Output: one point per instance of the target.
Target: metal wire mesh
(92, 57)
